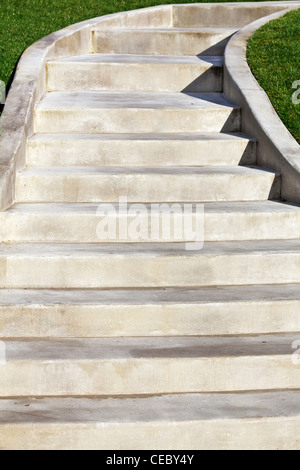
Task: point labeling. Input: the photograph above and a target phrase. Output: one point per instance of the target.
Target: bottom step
(257, 421)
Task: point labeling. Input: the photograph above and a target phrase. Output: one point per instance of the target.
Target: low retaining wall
(276, 149)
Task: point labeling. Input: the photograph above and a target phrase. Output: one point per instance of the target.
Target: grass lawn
(274, 57)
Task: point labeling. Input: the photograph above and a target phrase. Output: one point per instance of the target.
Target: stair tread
(260, 247)
(158, 249)
(150, 136)
(171, 30)
(176, 407)
(138, 100)
(142, 170)
(95, 209)
(97, 58)
(120, 348)
(202, 295)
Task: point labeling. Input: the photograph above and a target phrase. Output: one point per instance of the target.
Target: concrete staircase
(123, 344)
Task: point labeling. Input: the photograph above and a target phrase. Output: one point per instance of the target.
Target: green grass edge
(273, 54)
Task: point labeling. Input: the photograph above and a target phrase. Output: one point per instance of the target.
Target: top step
(172, 41)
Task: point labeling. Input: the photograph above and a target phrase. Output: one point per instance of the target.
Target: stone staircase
(125, 344)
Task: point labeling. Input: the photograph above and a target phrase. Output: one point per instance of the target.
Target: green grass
(274, 57)
(23, 22)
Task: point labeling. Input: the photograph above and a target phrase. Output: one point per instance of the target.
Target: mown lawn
(274, 57)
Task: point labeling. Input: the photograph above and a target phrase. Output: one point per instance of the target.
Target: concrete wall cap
(278, 149)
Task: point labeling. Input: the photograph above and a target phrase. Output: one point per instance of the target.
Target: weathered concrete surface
(146, 185)
(189, 407)
(133, 72)
(229, 15)
(227, 310)
(77, 223)
(144, 265)
(179, 41)
(152, 149)
(143, 366)
(193, 421)
(109, 112)
(79, 318)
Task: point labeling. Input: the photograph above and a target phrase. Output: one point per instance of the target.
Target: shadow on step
(216, 49)
(209, 81)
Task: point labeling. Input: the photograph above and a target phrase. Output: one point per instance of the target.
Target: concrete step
(140, 149)
(78, 223)
(129, 265)
(105, 72)
(216, 421)
(146, 184)
(143, 366)
(235, 15)
(227, 310)
(168, 41)
(110, 112)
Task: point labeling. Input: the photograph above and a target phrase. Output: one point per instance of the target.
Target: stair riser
(146, 188)
(219, 434)
(73, 228)
(147, 270)
(70, 152)
(136, 120)
(182, 319)
(153, 42)
(133, 77)
(144, 376)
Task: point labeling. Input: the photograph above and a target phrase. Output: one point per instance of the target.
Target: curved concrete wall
(29, 84)
(276, 149)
